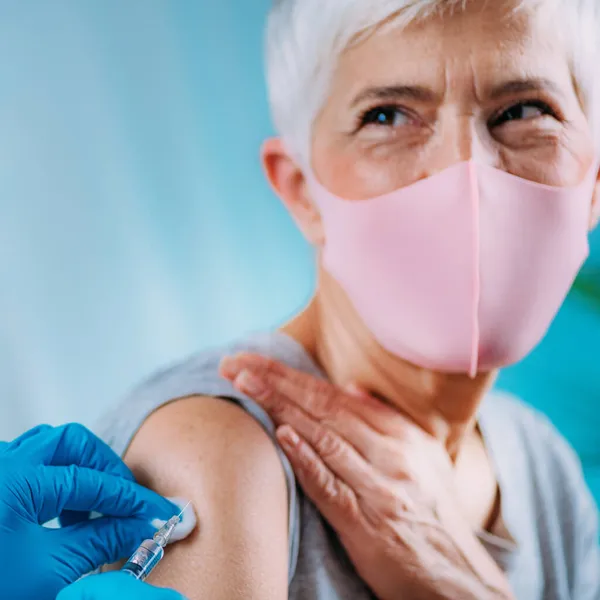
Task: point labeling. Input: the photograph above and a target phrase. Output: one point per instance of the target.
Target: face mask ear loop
(476, 246)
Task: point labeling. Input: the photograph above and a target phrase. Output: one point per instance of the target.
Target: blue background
(136, 225)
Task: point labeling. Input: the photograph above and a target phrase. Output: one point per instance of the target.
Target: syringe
(150, 552)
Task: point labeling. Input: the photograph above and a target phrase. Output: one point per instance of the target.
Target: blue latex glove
(48, 471)
(113, 586)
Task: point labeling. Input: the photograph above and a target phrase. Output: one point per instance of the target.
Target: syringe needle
(183, 509)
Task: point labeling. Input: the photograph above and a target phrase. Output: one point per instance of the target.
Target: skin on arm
(213, 453)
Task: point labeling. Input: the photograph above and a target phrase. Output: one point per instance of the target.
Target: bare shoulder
(213, 453)
(219, 428)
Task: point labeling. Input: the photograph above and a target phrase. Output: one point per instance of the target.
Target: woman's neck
(445, 405)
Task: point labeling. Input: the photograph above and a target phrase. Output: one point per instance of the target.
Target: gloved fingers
(80, 489)
(20, 444)
(74, 444)
(77, 445)
(103, 541)
(71, 444)
(115, 585)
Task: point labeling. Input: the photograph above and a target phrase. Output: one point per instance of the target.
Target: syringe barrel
(144, 559)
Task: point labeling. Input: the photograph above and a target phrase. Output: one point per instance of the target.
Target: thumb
(103, 541)
(81, 489)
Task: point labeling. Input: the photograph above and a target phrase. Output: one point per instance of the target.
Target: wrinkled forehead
(472, 48)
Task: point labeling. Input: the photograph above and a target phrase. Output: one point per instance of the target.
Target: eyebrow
(423, 94)
(388, 92)
(517, 86)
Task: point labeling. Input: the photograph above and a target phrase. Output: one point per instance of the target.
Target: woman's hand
(384, 485)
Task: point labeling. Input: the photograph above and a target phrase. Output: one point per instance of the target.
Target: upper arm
(211, 452)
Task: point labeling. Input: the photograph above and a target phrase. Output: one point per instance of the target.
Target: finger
(380, 415)
(320, 398)
(339, 456)
(19, 443)
(356, 390)
(283, 410)
(231, 366)
(332, 496)
(102, 541)
(56, 489)
(73, 444)
(316, 395)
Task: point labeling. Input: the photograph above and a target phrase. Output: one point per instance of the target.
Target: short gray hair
(306, 37)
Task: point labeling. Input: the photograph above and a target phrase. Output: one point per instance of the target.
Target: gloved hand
(111, 586)
(48, 471)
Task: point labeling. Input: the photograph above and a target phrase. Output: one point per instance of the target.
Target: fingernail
(355, 389)
(229, 366)
(288, 437)
(250, 383)
(352, 388)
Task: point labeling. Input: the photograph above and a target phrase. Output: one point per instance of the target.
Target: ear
(289, 183)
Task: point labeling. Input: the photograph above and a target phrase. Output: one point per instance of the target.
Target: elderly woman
(440, 157)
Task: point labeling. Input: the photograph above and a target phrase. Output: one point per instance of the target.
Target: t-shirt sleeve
(196, 377)
(579, 516)
(587, 578)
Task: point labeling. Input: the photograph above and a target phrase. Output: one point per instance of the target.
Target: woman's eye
(523, 111)
(388, 116)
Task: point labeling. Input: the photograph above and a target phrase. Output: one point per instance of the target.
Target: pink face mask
(460, 272)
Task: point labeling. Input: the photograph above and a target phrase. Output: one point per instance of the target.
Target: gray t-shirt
(547, 509)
